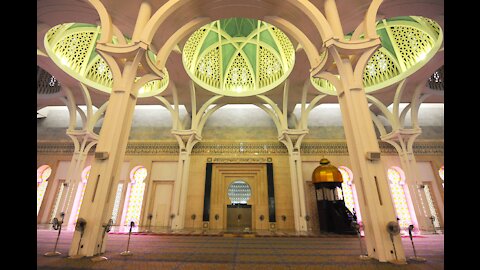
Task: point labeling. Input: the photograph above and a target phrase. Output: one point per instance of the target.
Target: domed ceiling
(238, 57)
(72, 47)
(407, 44)
(245, 57)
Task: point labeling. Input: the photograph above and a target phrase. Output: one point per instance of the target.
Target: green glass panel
(247, 26)
(228, 26)
(227, 53)
(78, 25)
(152, 56)
(386, 43)
(251, 52)
(267, 38)
(92, 56)
(212, 37)
(234, 36)
(238, 27)
(93, 53)
(401, 18)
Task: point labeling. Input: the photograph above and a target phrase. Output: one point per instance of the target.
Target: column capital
(89, 135)
(83, 140)
(292, 139)
(355, 47)
(122, 53)
(186, 138)
(402, 139)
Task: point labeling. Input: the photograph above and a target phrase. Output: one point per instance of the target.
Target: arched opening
(80, 193)
(239, 212)
(399, 191)
(43, 173)
(135, 195)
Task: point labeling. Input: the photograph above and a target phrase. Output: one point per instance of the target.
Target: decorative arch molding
(161, 16)
(105, 21)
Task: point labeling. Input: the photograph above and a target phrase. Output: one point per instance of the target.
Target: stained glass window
(116, 204)
(137, 176)
(239, 192)
(440, 172)
(436, 223)
(61, 188)
(347, 188)
(43, 173)
(349, 195)
(395, 175)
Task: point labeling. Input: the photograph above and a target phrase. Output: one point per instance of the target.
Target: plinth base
(52, 253)
(126, 253)
(417, 259)
(397, 262)
(364, 257)
(76, 257)
(99, 259)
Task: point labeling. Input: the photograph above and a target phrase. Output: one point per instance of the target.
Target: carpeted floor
(177, 252)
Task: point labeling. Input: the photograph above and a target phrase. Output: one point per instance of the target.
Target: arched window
(116, 203)
(85, 174)
(349, 194)
(440, 172)
(43, 173)
(396, 178)
(239, 192)
(137, 188)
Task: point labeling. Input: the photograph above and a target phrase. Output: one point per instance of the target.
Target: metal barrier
(356, 227)
(414, 258)
(127, 252)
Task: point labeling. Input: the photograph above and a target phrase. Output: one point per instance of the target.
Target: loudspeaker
(101, 155)
(373, 156)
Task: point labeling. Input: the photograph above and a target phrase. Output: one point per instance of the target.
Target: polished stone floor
(194, 250)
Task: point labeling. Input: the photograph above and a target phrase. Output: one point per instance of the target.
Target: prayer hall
(240, 134)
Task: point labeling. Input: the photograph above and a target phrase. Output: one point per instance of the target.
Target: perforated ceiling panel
(238, 57)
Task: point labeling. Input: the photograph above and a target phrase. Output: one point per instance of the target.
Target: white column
(99, 195)
(292, 140)
(74, 174)
(180, 190)
(186, 140)
(372, 186)
(296, 168)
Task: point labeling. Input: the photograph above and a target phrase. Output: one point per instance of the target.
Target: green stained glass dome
(72, 47)
(407, 44)
(238, 57)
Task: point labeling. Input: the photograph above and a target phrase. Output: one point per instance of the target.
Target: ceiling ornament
(238, 57)
(407, 44)
(72, 47)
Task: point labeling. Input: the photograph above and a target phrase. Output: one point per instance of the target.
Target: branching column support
(292, 139)
(124, 61)
(83, 142)
(187, 138)
(186, 141)
(372, 186)
(402, 139)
